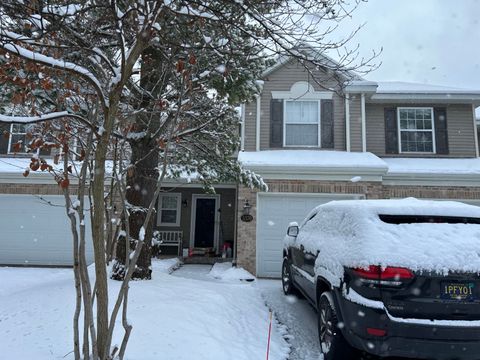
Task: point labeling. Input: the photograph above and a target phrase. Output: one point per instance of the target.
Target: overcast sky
(427, 41)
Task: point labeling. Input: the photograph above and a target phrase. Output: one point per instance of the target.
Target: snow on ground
(173, 317)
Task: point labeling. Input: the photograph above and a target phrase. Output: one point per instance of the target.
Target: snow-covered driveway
(173, 317)
(300, 319)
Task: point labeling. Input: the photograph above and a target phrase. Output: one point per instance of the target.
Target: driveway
(300, 319)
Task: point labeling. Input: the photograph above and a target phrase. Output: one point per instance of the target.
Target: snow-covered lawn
(173, 317)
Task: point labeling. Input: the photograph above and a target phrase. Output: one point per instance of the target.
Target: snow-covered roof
(311, 159)
(469, 166)
(400, 87)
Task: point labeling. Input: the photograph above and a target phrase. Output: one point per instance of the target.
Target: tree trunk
(142, 178)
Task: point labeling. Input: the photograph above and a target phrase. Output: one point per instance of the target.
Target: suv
(389, 277)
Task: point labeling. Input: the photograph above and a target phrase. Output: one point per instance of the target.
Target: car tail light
(376, 332)
(377, 275)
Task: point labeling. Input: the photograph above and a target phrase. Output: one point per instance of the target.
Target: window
(169, 209)
(18, 133)
(302, 123)
(416, 130)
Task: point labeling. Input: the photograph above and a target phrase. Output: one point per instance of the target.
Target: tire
(287, 280)
(332, 343)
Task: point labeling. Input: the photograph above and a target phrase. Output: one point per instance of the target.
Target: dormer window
(302, 123)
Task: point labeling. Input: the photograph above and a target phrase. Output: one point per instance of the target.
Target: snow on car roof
(351, 234)
(408, 206)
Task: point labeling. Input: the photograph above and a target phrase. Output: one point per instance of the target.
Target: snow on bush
(350, 233)
(225, 271)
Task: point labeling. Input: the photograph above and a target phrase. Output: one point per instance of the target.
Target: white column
(364, 125)
(257, 132)
(242, 128)
(347, 121)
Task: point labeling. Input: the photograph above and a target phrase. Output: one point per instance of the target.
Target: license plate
(458, 291)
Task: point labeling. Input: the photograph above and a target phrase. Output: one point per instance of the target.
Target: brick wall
(246, 237)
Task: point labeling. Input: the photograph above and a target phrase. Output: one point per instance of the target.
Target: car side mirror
(292, 230)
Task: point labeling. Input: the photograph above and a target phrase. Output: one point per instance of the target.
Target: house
(331, 139)
(314, 135)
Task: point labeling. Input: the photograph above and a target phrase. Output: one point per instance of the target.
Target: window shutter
(4, 139)
(327, 123)
(441, 135)
(391, 131)
(276, 123)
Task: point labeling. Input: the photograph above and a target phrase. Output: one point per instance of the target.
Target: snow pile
(172, 318)
(350, 233)
(225, 271)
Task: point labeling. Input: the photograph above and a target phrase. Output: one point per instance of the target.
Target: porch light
(246, 207)
(185, 203)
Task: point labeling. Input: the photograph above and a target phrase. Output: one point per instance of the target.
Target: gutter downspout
(242, 129)
(475, 131)
(257, 132)
(347, 121)
(364, 125)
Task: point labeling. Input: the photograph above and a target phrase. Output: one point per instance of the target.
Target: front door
(204, 222)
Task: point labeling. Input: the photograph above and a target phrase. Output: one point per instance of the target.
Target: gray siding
(461, 139)
(250, 126)
(355, 122)
(227, 216)
(282, 80)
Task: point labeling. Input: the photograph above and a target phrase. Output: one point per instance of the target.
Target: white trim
(257, 131)
(364, 124)
(475, 131)
(319, 139)
(317, 95)
(195, 197)
(242, 128)
(347, 121)
(450, 98)
(179, 209)
(399, 130)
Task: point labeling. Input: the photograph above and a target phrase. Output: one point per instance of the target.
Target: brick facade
(246, 236)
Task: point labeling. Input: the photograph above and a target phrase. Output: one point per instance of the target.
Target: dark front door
(205, 223)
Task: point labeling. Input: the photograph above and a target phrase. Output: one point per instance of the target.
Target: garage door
(275, 212)
(32, 232)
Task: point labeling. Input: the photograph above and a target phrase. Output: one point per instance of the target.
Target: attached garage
(274, 213)
(36, 231)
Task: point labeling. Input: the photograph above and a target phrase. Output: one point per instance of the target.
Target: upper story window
(416, 127)
(302, 123)
(169, 209)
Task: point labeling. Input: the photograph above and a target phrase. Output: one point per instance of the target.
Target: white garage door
(274, 213)
(33, 232)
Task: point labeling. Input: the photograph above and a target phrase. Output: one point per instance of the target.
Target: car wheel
(332, 343)
(287, 280)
